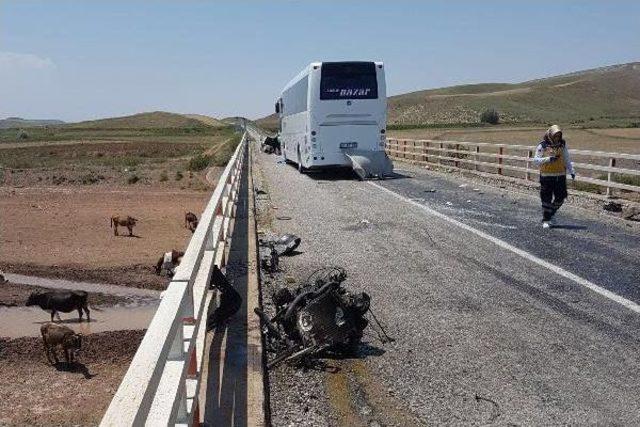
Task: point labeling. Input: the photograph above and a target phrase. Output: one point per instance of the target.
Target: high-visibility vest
(556, 167)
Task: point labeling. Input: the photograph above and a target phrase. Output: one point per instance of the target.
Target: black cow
(64, 301)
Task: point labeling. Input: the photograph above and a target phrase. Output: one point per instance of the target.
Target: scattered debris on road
(431, 190)
(273, 249)
(271, 145)
(318, 317)
(612, 207)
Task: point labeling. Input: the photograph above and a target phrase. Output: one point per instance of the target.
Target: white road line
(524, 254)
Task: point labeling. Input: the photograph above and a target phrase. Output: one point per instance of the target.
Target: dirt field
(616, 140)
(33, 392)
(66, 233)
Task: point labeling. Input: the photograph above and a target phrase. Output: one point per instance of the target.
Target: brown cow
(55, 336)
(190, 221)
(127, 221)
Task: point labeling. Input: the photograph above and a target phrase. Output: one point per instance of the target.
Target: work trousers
(553, 191)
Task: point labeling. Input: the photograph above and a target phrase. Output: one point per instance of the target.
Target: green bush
(133, 179)
(490, 116)
(198, 162)
(179, 175)
(163, 176)
(22, 134)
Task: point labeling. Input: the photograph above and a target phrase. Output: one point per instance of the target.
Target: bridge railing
(621, 169)
(162, 384)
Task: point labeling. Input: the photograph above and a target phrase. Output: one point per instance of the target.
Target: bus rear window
(348, 80)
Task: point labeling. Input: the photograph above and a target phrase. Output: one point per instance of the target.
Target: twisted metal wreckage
(319, 317)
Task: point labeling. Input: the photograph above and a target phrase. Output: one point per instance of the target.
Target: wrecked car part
(285, 244)
(271, 145)
(612, 207)
(269, 261)
(320, 315)
(369, 164)
(230, 299)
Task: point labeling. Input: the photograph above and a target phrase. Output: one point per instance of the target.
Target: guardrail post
(529, 155)
(441, 154)
(426, 152)
(476, 156)
(413, 151)
(612, 164)
(455, 163)
(500, 160)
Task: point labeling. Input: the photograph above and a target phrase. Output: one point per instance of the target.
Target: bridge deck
(483, 334)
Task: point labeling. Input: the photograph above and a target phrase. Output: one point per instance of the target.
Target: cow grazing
(168, 263)
(64, 301)
(127, 221)
(190, 221)
(58, 336)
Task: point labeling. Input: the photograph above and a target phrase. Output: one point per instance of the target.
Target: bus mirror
(277, 107)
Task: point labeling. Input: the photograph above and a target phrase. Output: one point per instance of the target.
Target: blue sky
(77, 60)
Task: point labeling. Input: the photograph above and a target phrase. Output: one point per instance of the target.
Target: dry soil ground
(33, 392)
(66, 233)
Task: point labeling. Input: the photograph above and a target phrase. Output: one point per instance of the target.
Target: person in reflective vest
(552, 157)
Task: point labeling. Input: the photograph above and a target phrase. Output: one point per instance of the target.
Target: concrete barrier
(162, 384)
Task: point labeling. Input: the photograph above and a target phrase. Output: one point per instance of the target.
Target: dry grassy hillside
(207, 120)
(156, 119)
(607, 93)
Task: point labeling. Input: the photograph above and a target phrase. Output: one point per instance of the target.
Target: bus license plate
(348, 145)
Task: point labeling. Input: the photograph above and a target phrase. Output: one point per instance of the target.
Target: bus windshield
(348, 80)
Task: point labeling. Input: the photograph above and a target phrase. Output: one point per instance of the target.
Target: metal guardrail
(457, 154)
(162, 384)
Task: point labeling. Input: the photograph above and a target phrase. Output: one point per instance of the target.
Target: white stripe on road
(524, 254)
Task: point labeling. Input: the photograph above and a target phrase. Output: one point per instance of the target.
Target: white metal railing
(498, 158)
(162, 384)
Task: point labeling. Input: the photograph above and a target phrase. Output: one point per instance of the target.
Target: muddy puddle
(26, 321)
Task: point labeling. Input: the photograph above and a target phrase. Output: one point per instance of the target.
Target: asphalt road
(483, 334)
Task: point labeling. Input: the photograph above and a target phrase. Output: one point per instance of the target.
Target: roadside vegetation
(66, 155)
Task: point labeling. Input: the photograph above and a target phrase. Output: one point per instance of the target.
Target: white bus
(334, 114)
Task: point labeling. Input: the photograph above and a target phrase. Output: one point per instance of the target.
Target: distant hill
(207, 120)
(156, 119)
(17, 122)
(269, 122)
(611, 92)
